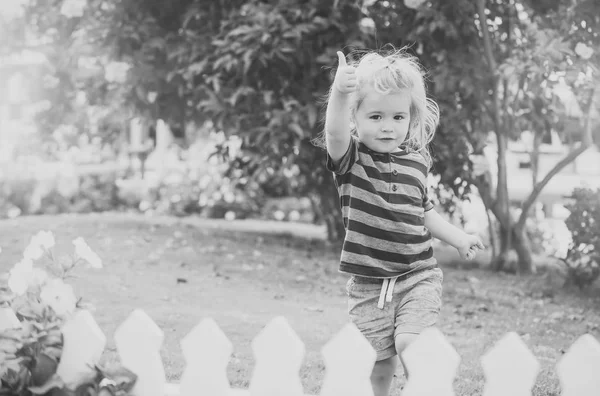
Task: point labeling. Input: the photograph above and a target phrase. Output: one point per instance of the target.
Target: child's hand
(345, 76)
(469, 247)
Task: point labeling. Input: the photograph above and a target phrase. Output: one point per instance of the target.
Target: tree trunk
(333, 215)
(522, 245)
(326, 204)
(535, 156)
(501, 261)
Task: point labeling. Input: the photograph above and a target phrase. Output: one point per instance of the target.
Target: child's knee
(404, 340)
(384, 368)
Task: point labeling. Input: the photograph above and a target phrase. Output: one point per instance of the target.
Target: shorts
(413, 305)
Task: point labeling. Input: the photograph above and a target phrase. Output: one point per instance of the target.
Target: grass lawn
(180, 271)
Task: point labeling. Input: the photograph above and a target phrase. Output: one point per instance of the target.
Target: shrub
(583, 257)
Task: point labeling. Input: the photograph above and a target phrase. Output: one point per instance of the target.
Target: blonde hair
(395, 71)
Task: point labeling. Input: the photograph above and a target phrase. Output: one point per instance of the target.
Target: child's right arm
(337, 117)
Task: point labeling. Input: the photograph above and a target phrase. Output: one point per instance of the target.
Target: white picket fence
(510, 368)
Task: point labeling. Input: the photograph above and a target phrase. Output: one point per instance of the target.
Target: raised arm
(337, 117)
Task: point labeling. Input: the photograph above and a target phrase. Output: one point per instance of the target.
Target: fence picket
(279, 353)
(432, 363)
(8, 319)
(83, 344)
(207, 351)
(349, 360)
(138, 341)
(510, 368)
(579, 369)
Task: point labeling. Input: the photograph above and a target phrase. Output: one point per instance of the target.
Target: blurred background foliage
(240, 85)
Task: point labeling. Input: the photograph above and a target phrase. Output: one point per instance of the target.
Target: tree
(492, 65)
(262, 79)
(259, 71)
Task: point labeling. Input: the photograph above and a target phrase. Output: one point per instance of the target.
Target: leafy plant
(35, 303)
(583, 257)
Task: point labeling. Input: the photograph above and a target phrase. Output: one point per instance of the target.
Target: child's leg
(382, 375)
(402, 341)
(419, 307)
(377, 325)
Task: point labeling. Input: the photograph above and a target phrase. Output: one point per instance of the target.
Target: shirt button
(394, 172)
(394, 187)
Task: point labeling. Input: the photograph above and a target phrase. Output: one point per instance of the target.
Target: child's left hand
(469, 247)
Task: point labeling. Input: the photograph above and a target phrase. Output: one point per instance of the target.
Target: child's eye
(398, 117)
(375, 117)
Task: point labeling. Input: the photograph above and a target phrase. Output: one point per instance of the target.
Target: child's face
(382, 121)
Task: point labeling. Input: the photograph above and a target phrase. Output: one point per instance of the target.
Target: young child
(378, 124)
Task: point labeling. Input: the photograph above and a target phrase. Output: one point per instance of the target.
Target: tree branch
(586, 142)
(487, 42)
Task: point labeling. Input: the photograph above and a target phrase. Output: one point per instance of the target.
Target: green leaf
(53, 382)
(311, 112)
(297, 129)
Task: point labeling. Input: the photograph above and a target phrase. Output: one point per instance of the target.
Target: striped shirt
(383, 199)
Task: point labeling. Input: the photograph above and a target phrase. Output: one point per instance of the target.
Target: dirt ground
(243, 274)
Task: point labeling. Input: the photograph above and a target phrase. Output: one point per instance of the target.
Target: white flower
(43, 240)
(83, 251)
(116, 72)
(59, 296)
(21, 276)
(72, 8)
(414, 4)
(33, 251)
(46, 239)
(584, 51)
(38, 277)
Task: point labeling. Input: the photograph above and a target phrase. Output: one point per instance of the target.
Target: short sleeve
(348, 159)
(427, 204)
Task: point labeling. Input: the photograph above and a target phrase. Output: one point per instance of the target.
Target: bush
(84, 193)
(184, 192)
(583, 257)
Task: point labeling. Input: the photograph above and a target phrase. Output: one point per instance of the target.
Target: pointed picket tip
(579, 369)
(208, 337)
(207, 351)
(138, 340)
(349, 360)
(83, 346)
(503, 376)
(139, 325)
(278, 352)
(430, 356)
(278, 332)
(349, 345)
(8, 319)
